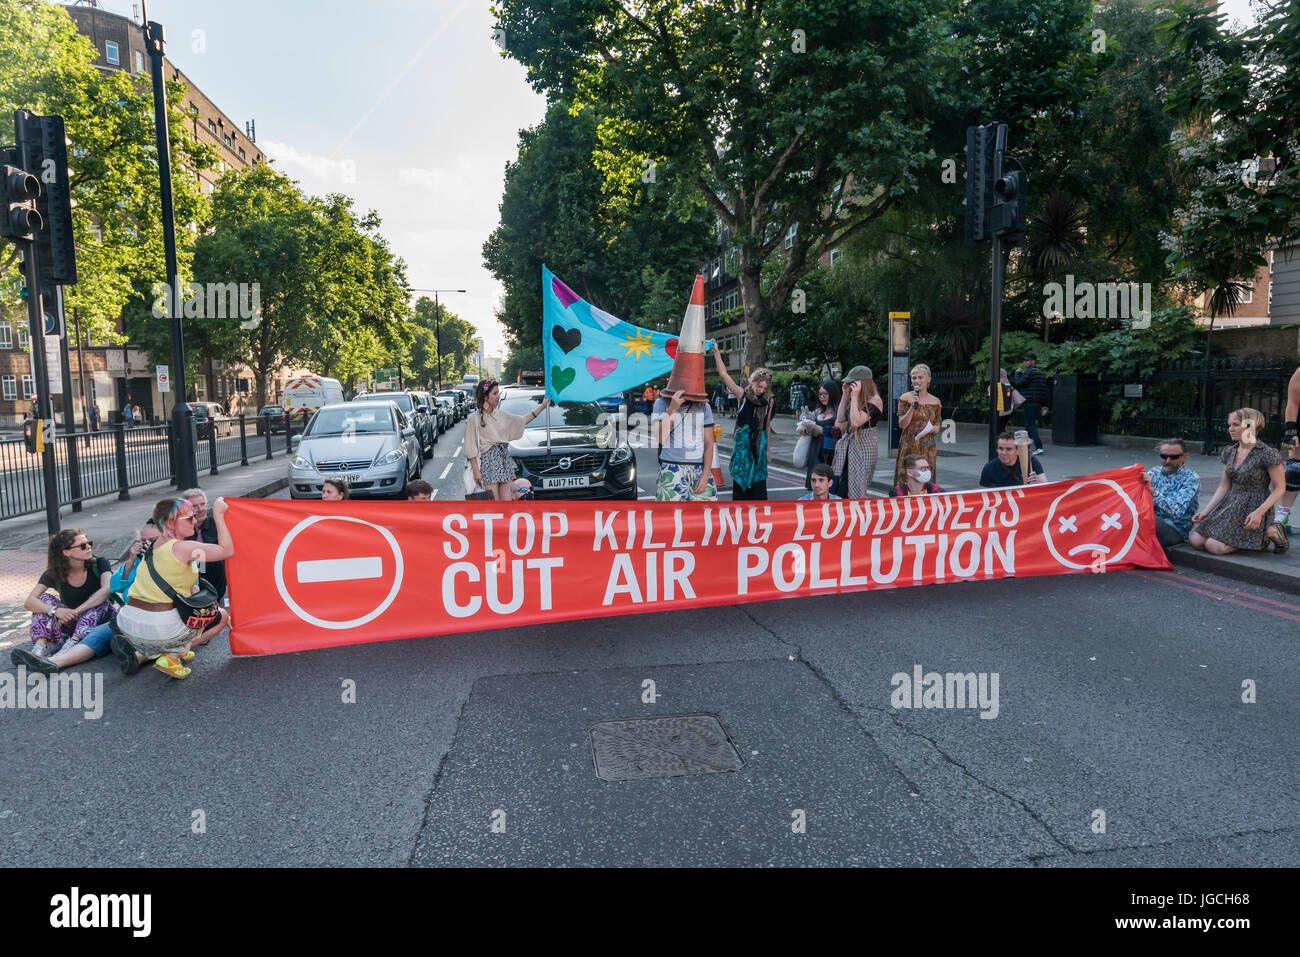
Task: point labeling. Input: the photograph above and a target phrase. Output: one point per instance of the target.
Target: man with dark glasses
(1174, 488)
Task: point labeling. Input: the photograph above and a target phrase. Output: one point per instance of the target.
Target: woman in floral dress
(919, 417)
(1240, 515)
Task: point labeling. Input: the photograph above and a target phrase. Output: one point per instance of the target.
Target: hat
(1030, 355)
(856, 373)
(688, 365)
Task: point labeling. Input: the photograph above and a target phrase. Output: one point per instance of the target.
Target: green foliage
(522, 357)
(47, 66)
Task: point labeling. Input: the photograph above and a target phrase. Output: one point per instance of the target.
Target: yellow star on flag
(637, 344)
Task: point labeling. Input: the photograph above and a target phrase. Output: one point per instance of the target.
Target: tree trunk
(757, 321)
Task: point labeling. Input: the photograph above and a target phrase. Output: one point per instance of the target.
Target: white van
(306, 394)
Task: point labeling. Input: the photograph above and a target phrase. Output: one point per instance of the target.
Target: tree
(46, 65)
(555, 211)
(759, 112)
(1241, 104)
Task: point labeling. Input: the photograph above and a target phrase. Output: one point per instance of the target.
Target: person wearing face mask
(917, 475)
(1174, 488)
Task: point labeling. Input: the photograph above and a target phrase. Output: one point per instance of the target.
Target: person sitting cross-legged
(1174, 488)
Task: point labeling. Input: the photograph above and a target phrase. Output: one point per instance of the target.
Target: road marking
(458, 448)
(340, 569)
(433, 495)
(1170, 578)
(445, 472)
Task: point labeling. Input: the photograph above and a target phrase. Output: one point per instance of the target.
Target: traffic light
(1008, 215)
(980, 142)
(21, 221)
(34, 436)
(47, 157)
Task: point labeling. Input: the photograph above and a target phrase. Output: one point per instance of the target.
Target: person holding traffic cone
(682, 419)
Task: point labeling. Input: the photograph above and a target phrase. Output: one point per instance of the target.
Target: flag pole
(548, 430)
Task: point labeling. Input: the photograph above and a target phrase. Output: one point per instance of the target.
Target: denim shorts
(97, 639)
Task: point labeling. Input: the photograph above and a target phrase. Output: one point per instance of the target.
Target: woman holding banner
(488, 436)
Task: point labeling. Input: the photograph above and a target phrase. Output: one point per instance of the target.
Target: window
(733, 299)
(789, 235)
(139, 62)
(6, 336)
(835, 254)
(226, 140)
(110, 52)
(212, 127)
(29, 386)
(99, 234)
(1248, 295)
(242, 157)
(22, 336)
(10, 387)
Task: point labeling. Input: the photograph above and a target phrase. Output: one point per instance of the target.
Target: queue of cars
(379, 441)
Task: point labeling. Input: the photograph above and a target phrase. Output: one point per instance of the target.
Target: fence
(1167, 402)
(113, 461)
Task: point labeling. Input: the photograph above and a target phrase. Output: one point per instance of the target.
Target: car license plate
(570, 481)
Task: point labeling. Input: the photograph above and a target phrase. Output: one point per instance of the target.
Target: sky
(406, 106)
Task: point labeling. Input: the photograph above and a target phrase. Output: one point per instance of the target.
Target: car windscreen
(564, 414)
(401, 398)
(349, 421)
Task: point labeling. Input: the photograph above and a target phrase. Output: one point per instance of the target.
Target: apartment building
(108, 375)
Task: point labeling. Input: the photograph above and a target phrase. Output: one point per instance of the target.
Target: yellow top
(180, 576)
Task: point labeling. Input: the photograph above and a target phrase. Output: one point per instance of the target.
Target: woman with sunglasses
(151, 625)
(82, 582)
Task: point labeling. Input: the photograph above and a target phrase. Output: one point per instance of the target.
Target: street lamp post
(437, 323)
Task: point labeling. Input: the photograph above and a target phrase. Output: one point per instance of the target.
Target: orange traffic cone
(688, 364)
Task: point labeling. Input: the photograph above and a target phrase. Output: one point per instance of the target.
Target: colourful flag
(591, 354)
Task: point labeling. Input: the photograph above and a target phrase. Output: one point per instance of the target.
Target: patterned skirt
(496, 464)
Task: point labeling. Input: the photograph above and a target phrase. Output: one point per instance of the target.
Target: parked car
(449, 412)
(459, 399)
(435, 411)
(203, 414)
(371, 444)
(271, 416)
(582, 462)
(420, 421)
(611, 403)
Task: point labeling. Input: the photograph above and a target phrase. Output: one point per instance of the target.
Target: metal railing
(116, 459)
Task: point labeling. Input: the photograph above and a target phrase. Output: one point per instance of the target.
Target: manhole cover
(662, 747)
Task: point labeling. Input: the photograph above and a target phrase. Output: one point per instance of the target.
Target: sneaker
(124, 654)
(169, 665)
(1039, 451)
(41, 650)
(69, 645)
(21, 656)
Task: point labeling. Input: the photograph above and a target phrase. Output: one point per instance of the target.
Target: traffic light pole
(44, 405)
(187, 472)
(995, 344)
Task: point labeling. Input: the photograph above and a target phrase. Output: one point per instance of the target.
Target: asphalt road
(1118, 693)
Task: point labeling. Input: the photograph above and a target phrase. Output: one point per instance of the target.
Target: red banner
(314, 575)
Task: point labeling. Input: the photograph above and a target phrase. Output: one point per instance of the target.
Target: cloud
(289, 159)
(437, 180)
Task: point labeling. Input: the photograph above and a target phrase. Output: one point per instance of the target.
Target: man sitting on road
(1174, 488)
(821, 479)
(205, 531)
(419, 491)
(1004, 470)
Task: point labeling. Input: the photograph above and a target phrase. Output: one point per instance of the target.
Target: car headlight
(621, 455)
(394, 456)
(301, 463)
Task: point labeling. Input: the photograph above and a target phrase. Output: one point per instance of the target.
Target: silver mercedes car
(371, 444)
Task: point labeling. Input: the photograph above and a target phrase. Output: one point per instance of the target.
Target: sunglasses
(84, 545)
(1178, 456)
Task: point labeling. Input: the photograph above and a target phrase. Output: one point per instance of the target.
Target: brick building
(101, 373)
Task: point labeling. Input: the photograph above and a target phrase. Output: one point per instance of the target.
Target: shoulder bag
(198, 611)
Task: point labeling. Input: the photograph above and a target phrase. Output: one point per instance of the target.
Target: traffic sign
(164, 380)
(350, 570)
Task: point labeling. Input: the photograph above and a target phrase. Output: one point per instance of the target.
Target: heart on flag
(562, 378)
(599, 368)
(566, 339)
(670, 347)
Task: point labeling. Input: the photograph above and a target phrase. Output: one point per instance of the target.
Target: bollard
(119, 448)
(212, 444)
(243, 441)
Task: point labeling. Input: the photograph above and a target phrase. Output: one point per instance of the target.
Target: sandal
(187, 656)
(168, 665)
(1280, 542)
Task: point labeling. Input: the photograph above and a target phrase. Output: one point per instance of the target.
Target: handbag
(198, 610)
(801, 450)
(1017, 400)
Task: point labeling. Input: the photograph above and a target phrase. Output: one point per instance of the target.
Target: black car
(458, 397)
(203, 414)
(582, 462)
(271, 416)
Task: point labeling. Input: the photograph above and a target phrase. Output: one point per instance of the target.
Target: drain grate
(662, 747)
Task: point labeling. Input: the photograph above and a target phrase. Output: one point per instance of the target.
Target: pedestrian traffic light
(1008, 218)
(980, 142)
(46, 148)
(34, 436)
(21, 221)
